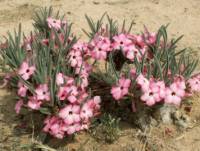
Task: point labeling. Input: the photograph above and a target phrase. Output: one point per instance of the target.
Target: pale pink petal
(18, 106)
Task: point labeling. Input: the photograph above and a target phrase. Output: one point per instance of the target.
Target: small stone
(166, 113)
(69, 13)
(96, 3)
(182, 124)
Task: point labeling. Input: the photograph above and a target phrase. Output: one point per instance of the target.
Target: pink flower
(59, 134)
(26, 71)
(143, 82)
(45, 42)
(86, 112)
(197, 76)
(99, 47)
(62, 93)
(82, 96)
(98, 53)
(139, 40)
(82, 47)
(73, 92)
(78, 46)
(48, 122)
(121, 40)
(153, 92)
(69, 81)
(133, 73)
(194, 84)
(85, 126)
(42, 92)
(121, 89)
(33, 103)
(150, 38)
(94, 103)
(131, 52)
(22, 89)
(101, 42)
(71, 129)
(18, 106)
(175, 92)
(161, 87)
(70, 114)
(75, 58)
(150, 97)
(59, 79)
(144, 39)
(180, 82)
(53, 23)
(55, 126)
(56, 130)
(179, 86)
(171, 97)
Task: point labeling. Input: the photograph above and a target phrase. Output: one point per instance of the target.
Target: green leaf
(44, 110)
(174, 42)
(159, 67)
(131, 25)
(180, 52)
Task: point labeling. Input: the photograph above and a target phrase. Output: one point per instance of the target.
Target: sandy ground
(183, 16)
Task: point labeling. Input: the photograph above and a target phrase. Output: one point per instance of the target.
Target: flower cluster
(52, 78)
(157, 91)
(132, 46)
(77, 111)
(72, 118)
(154, 91)
(55, 23)
(99, 47)
(121, 89)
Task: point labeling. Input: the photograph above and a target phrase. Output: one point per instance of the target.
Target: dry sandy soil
(184, 18)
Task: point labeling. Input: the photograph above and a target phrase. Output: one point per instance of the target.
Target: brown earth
(184, 18)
